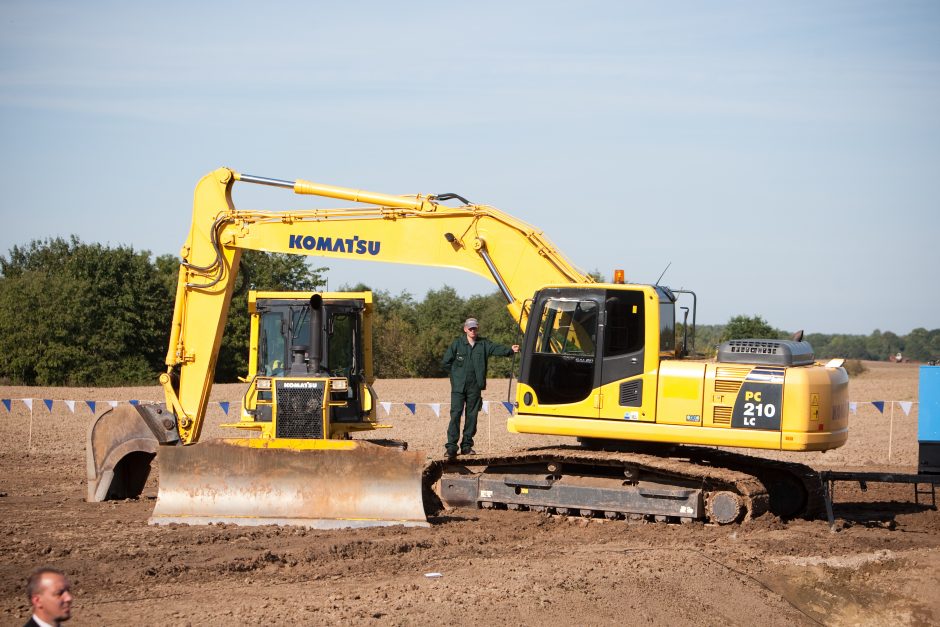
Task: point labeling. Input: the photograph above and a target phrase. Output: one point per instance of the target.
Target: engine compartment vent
(766, 352)
(631, 393)
(722, 416)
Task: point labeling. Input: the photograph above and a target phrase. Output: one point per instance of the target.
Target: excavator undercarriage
(679, 484)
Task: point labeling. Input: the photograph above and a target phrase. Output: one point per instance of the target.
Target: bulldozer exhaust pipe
(316, 333)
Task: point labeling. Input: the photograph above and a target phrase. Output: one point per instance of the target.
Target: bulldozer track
(756, 485)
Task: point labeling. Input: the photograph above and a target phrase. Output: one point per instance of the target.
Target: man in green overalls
(466, 360)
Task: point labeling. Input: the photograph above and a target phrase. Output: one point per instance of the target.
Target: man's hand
(515, 348)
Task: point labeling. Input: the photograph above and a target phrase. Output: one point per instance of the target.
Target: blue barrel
(928, 421)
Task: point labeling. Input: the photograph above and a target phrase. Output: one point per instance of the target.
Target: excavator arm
(417, 230)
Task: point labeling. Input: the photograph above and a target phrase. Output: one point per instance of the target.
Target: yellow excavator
(600, 362)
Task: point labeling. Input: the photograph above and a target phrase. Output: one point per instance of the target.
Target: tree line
(920, 345)
(75, 313)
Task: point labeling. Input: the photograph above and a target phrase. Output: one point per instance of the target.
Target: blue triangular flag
(224, 405)
(48, 402)
(411, 407)
(6, 403)
(508, 407)
(880, 405)
(91, 405)
(134, 402)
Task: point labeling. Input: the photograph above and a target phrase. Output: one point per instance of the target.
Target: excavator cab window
(568, 328)
(624, 331)
(562, 365)
(624, 334)
(667, 327)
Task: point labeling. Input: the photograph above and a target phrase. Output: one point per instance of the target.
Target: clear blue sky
(783, 157)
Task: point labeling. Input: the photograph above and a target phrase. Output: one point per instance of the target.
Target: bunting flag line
(226, 406)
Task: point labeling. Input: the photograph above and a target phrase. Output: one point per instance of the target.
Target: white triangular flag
(486, 407)
(386, 406)
(853, 407)
(113, 404)
(28, 402)
(436, 408)
(70, 405)
(906, 406)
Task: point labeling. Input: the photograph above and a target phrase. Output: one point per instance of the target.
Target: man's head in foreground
(49, 592)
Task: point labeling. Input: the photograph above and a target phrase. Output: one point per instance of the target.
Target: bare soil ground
(880, 566)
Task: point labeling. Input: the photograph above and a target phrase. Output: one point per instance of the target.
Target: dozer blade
(363, 485)
(120, 446)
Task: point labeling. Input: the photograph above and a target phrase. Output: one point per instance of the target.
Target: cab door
(627, 387)
(561, 352)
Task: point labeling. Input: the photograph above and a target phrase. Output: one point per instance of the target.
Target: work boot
(469, 451)
(451, 455)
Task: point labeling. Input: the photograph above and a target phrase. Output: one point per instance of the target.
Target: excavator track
(688, 483)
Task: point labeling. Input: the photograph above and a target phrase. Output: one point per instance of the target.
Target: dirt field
(880, 566)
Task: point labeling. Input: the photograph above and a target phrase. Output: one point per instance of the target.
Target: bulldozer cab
(284, 323)
(321, 339)
(310, 375)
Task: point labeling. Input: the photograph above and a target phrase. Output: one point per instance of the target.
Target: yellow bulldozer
(602, 363)
(309, 389)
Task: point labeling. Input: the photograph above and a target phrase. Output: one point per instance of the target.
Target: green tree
(81, 314)
(394, 335)
(849, 347)
(933, 345)
(883, 345)
(707, 338)
(745, 327)
(917, 345)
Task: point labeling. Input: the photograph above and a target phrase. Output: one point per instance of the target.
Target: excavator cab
(602, 363)
(581, 338)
